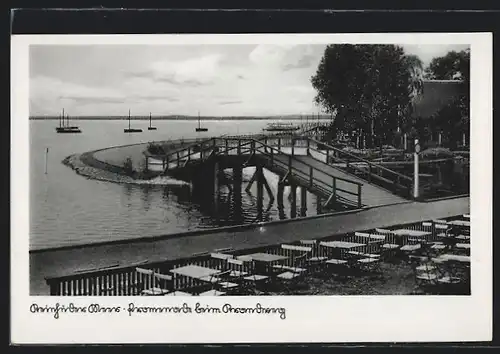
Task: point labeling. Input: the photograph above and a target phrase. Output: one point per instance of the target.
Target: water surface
(69, 209)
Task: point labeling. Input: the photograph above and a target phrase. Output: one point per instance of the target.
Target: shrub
(128, 166)
(436, 153)
(155, 149)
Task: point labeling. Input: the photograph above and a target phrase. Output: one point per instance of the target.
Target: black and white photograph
(261, 167)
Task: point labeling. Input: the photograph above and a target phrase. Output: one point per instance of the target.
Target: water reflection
(146, 196)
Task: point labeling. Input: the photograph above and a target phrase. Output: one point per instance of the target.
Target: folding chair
(153, 283)
(304, 252)
(291, 276)
(315, 257)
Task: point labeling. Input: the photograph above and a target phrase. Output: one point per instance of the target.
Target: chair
(152, 283)
(221, 260)
(219, 282)
(368, 264)
(212, 292)
(294, 260)
(223, 250)
(291, 276)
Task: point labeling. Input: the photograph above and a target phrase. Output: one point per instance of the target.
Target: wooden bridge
(337, 176)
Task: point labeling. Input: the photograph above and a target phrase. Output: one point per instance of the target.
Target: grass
(391, 278)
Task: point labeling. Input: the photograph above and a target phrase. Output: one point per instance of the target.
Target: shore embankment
(109, 164)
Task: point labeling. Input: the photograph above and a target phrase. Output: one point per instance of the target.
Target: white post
(357, 142)
(46, 159)
(463, 139)
(415, 172)
(405, 143)
(439, 139)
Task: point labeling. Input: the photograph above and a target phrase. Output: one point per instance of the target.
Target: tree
(453, 66)
(368, 87)
(453, 119)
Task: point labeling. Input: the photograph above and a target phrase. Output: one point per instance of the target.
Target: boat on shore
(281, 127)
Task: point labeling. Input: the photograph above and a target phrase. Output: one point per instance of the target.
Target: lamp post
(415, 171)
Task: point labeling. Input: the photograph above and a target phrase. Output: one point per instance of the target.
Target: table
(342, 244)
(178, 293)
(415, 233)
(263, 262)
(452, 257)
(266, 257)
(196, 272)
(459, 223)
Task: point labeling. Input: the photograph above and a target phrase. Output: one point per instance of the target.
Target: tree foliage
(453, 119)
(367, 87)
(453, 66)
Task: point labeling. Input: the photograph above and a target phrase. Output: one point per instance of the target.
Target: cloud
(230, 102)
(429, 51)
(190, 72)
(92, 100)
(224, 80)
(156, 98)
(53, 94)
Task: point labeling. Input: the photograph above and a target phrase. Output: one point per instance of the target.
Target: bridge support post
(359, 196)
(281, 208)
(319, 205)
(260, 190)
(237, 181)
(303, 201)
(215, 185)
(293, 200)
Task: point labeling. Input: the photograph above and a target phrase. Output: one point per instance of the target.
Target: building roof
(436, 94)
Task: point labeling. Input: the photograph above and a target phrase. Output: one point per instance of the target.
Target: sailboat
(131, 130)
(66, 129)
(200, 129)
(150, 127)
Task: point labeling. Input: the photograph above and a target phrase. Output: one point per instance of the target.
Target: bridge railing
(371, 171)
(337, 188)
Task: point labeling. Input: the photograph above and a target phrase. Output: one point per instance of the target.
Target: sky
(213, 79)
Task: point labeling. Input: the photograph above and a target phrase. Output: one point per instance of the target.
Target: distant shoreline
(186, 118)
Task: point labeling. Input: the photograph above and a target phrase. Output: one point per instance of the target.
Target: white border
(309, 319)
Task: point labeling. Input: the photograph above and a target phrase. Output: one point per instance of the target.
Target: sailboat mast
(63, 117)
(129, 118)
(150, 119)
(199, 119)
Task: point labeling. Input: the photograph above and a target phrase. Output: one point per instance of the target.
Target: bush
(155, 149)
(128, 166)
(436, 153)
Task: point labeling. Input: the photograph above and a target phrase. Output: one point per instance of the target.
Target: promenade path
(371, 194)
(59, 262)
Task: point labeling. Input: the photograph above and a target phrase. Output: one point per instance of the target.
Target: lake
(69, 209)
